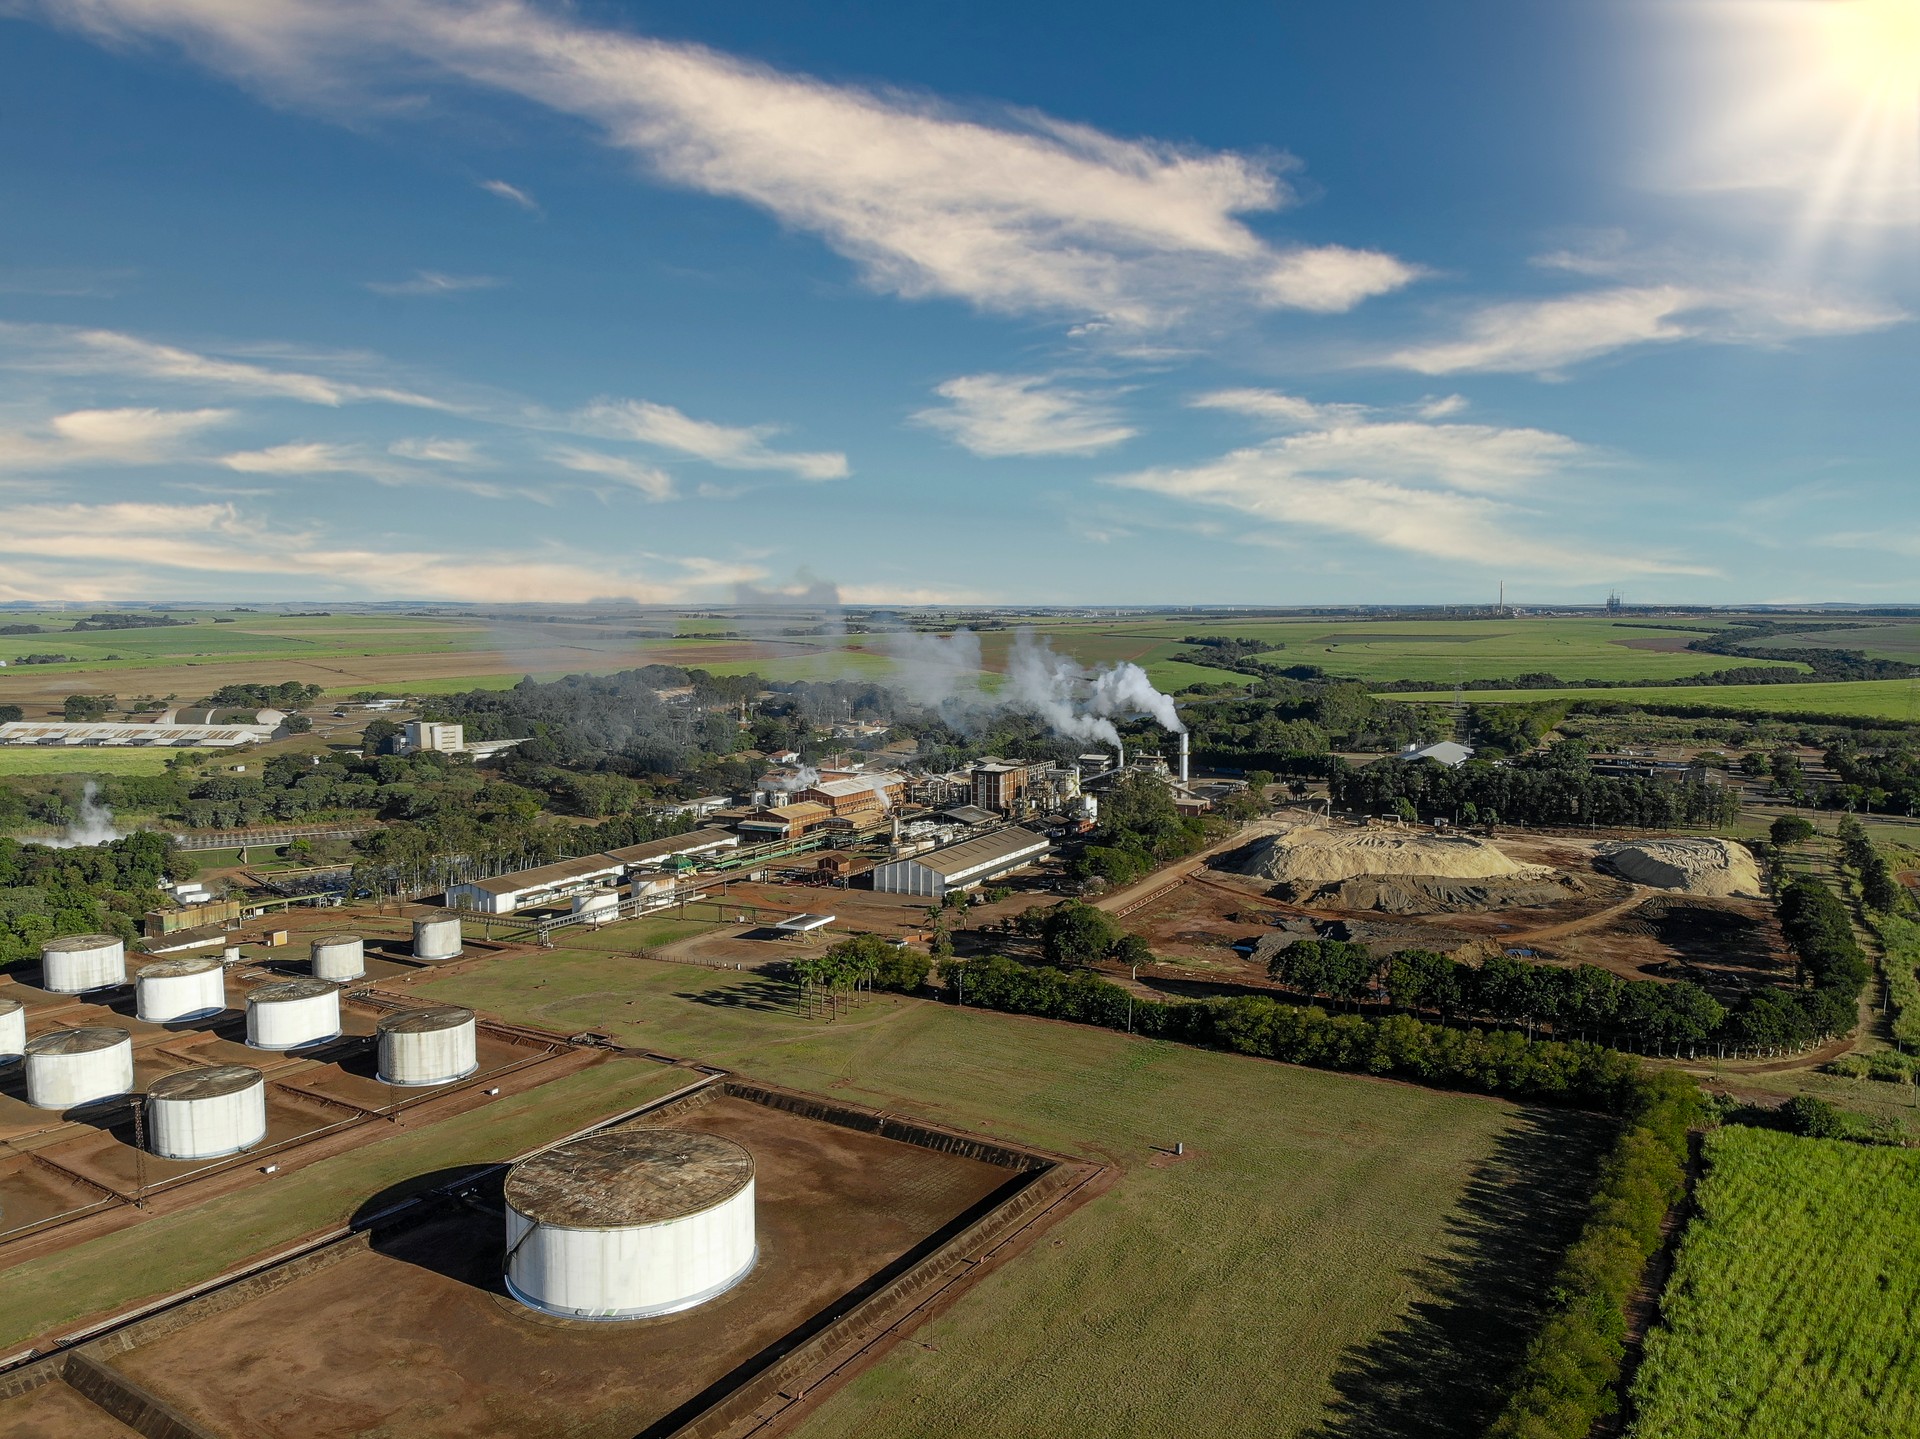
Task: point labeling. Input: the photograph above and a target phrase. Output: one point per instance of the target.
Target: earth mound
(1423, 894)
(1309, 857)
(1693, 866)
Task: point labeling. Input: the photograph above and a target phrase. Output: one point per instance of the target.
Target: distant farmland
(1869, 699)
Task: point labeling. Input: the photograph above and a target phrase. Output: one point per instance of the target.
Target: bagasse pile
(1693, 866)
(1310, 857)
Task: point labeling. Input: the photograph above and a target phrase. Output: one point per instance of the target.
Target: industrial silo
(205, 1113)
(629, 1223)
(13, 1030)
(169, 990)
(437, 937)
(77, 1066)
(81, 962)
(292, 1013)
(339, 957)
(434, 1045)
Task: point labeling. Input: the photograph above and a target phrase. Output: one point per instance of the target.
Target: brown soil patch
(416, 1334)
(56, 1411)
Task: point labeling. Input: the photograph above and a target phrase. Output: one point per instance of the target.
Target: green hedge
(1571, 1374)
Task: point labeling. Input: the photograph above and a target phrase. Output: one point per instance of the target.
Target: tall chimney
(1122, 764)
(1183, 756)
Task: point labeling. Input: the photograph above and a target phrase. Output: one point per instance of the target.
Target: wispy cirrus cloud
(513, 194)
(433, 283)
(106, 437)
(649, 480)
(732, 447)
(317, 457)
(121, 550)
(1003, 415)
(1011, 211)
(1453, 492)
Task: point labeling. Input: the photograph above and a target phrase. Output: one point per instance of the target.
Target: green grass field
(1893, 641)
(171, 1251)
(1331, 1247)
(34, 760)
(1870, 699)
(1791, 1308)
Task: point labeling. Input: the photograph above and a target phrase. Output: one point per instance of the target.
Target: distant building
(1000, 784)
(1446, 752)
(436, 736)
(961, 866)
(790, 821)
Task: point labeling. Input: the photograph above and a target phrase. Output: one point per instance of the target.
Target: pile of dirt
(1422, 894)
(1307, 858)
(1693, 866)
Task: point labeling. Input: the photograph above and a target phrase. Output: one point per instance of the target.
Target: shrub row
(1570, 1376)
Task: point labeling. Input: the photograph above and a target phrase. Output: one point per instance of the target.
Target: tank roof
(438, 916)
(289, 989)
(79, 941)
(183, 964)
(326, 939)
(208, 1083)
(623, 1177)
(87, 1040)
(8, 1006)
(425, 1020)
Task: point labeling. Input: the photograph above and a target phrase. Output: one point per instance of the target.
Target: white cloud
(158, 545)
(315, 457)
(655, 484)
(117, 437)
(511, 193)
(999, 415)
(1449, 491)
(1018, 213)
(440, 452)
(432, 282)
(301, 457)
(729, 446)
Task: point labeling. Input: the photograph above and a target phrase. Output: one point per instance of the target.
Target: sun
(1873, 46)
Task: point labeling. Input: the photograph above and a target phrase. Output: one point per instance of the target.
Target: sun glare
(1874, 45)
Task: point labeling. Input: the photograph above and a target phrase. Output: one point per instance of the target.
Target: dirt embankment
(1398, 870)
(1692, 866)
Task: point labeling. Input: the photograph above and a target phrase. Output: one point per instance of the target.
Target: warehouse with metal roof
(550, 883)
(961, 866)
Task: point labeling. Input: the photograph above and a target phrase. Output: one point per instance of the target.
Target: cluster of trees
(1289, 725)
(864, 961)
(124, 620)
(1074, 934)
(289, 696)
(45, 893)
(1570, 1377)
(1556, 787)
(1493, 1061)
(84, 708)
(1878, 887)
(1139, 828)
(1585, 1002)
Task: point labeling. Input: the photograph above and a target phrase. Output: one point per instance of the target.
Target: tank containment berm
(630, 1224)
(434, 1045)
(170, 990)
(339, 957)
(207, 1113)
(292, 1013)
(71, 1067)
(13, 1030)
(437, 937)
(83, 962)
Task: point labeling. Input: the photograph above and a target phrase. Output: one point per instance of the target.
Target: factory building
(789, 821)
(562, 880)
(62, 733)
(961, 866)
(663, 853)
(864, 800)
(435, 735)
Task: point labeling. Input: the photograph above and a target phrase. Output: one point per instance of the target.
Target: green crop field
(1869, 699)
(37, 760)
(1791, 1308)
(171, 1251)
(1894, 641)
(1332, 1250)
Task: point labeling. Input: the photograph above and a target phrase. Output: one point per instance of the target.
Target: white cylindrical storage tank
(434, 1045)
(292, 1013)
(205, 1113)
(231, 954)
(437, 937)
(191, 987)
(13, 1030)
(339, 957)
(601, 906)
(77, 1066)
(629, 1223)
(81, 962)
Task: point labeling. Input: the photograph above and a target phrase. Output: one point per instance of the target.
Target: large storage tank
(339, 957)
(81, 962)
(602, 906)
(205, 1113)
(434, 1045)
(629, 1223)
(77, 1066)
(437, 937)
(292, 1013)
(191, 987)
(13, 1030)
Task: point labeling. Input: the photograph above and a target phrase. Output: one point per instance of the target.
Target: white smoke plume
(935, 670)
(1075, 701)
(806, 777)
(93, 825)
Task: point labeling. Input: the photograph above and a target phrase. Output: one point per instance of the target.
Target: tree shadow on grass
(1440, 1371)
(768, 996)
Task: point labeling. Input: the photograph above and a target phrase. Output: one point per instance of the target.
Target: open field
(1870, 699)
(172, 1250)
(82, 759)
(1790, 1310)
(1333, 1255)
(1897, 640)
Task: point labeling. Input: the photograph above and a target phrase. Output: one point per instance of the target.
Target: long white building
(551, 883)
(961, 866)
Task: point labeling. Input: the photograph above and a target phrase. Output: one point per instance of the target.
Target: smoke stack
(1123, 756)
(1183, 756)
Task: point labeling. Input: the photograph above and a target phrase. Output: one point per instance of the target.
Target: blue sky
(1268, 304)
